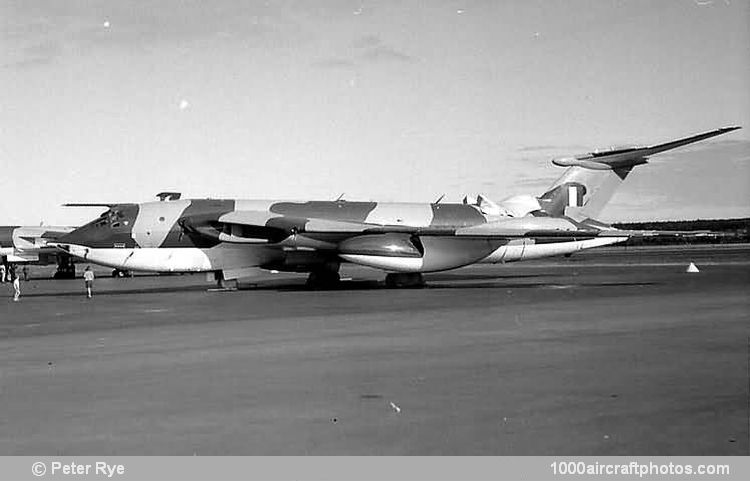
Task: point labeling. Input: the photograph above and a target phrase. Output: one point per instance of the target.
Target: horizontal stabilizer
(689, 140)
(591, 179)
(631, 156)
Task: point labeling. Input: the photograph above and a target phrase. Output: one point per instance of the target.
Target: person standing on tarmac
(2, 272)
(88, 279)
(16, 283)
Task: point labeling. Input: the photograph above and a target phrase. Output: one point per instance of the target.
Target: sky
(115, 101)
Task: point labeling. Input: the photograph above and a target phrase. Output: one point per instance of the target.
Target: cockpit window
(107, 218)
(114, 218)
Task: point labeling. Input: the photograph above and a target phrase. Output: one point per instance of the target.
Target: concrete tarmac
(615, 352)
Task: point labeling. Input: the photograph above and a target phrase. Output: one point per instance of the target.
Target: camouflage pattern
(264, 233)
(234, 236)
(20, 244)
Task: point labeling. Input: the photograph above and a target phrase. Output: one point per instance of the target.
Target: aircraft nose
(80, 236)
(112, 229)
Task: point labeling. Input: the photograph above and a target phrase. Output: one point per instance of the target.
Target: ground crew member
(2, 273)
(88, 279)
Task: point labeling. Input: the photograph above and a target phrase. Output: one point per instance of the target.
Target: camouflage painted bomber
(204, 223)
(207, 234)
(568, 205)
(230, 235)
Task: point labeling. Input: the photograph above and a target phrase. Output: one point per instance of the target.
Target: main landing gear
(323, 279)
(411, 279)
(224, 284)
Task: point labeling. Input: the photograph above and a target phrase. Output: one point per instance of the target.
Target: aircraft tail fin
(581, 193)
(591, 179)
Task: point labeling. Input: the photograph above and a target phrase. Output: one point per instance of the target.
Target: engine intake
(395, 252)
(386, 245)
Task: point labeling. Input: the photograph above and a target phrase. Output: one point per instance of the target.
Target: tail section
(591, 179)
(581, 193)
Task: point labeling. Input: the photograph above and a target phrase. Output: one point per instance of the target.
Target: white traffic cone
(692, 268)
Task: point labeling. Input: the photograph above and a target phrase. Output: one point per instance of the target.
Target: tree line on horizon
(705, 231)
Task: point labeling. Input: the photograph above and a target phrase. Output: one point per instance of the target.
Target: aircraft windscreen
(115, 217)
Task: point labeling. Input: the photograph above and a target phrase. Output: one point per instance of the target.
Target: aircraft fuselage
(232, 235)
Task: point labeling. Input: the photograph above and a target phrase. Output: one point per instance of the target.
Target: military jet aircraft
(233, 238)
(30, 245)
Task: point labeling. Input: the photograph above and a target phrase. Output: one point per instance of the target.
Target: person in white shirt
(88, 279)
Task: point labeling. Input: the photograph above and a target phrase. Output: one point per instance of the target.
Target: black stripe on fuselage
(457, 215)
(330, 210)
(207, 210)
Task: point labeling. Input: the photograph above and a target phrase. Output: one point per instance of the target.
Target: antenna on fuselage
(439, 199)
(340, 197)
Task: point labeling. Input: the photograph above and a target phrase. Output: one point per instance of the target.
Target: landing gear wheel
(229, 284)
(323, 279)
(225, 284)
(399, 280)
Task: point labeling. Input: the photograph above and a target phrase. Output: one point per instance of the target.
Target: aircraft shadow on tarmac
(373, 285)
(458, 282)
(146, 290)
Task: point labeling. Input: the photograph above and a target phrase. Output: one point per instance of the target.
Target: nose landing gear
(121, 273)
(65, 268)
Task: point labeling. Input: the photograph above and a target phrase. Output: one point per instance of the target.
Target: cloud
(534, 148)
(36, 54)
(335, 63)
(367, 49)
(382, 53)
(540, 182)
(367, 42)
(25, 29)
(372, 48)
(70, 27)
